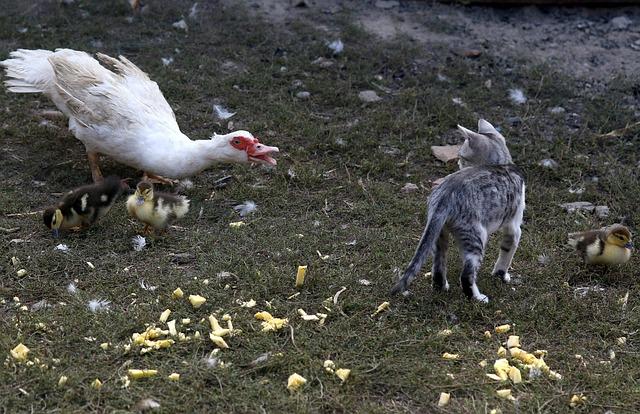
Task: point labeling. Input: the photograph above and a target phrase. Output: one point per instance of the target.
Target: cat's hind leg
(471, 243)
(439, 268)
(509, 245)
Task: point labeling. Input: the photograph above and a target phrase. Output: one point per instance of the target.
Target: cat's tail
(431, 233)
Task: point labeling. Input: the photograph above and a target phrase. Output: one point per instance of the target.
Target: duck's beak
(140, 201)
(629, 245)
(260, 153)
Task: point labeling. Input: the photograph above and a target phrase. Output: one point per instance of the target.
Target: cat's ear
(486, 128)
(473, 137)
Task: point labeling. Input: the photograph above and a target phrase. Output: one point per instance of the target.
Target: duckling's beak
(140, 201)
(629, 245)
(55, 233)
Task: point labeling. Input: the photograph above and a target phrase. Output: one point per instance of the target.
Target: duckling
(607, 246)
(155, 209)
(82, 207)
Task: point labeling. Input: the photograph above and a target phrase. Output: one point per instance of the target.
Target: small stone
(472, 53)
(323, 62)
(578, 206)
(621, 23)
(514, 120)
(387, 4)
(409, 188)
(556, 110)
(369, 96)
(303, 95)
(602, 211)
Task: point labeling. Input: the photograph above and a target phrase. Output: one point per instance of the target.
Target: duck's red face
(256, 152)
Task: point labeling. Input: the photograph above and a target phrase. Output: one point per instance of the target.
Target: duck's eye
(236, 142)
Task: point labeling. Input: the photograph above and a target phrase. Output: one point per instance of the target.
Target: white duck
(122, 113)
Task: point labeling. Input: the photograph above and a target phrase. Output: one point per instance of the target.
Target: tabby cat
(486, 195)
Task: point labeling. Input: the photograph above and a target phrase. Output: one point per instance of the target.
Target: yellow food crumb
(141, 373)
(501, 367)
(165, 315)
(483, 363)
(445, 332)
(21, 272)
(329, 366)
(383, 306)
(302, 271)
(513, 341)
(237, 224)
(343, 373)
(505, 394)
(269, 322)
(20, 352)
(63, 380)
(104, 345)
(196, 301)
(503, 328)
(502, 352)
(576, 400)
(177, 294)
(218, 340)
(515, 375)
(96, 384)
(295, 381)
(487, 334)
(449, 356)
(444, 399)
(174, 377)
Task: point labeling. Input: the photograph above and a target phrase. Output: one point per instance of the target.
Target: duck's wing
(100, 98)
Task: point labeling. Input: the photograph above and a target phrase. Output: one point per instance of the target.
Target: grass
(349, 161)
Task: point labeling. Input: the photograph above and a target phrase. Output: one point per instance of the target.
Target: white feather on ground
(167, 61)
(72, 288)
(41, 304)
(246, 208)
(63, 248)
(138, 243)
(193, 12)
(337, 46)
(144, 285)
(181, 24)
(517, 96)
(99, 305)
(222, 112)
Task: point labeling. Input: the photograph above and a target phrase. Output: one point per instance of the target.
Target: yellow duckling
(607, 246)
(155, 209)
(82, 207)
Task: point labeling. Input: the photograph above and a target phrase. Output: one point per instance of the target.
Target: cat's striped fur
(486, 195)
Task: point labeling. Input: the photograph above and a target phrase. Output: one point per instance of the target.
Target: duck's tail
(29, 71)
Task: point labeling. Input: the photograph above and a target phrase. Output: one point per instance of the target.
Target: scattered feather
(517, 96)
(246, 208)
(167, 61)
(185, 184)
(458, 101)
(364, 282)
(291, 173)
(336, 46)
(62, 247)
(548, 163)
(144, 285)
(261, 359)
(442, 78)
(193, 12)
(544, 259)
(138, 243)
(147, 404)
(72, 288)
(99, 305)
(352, 242)
(369, 96)
(583, 291)
(222, 112)
(39, 305)
(181, 24)
(211, 361)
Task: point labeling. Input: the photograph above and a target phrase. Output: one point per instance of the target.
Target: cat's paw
(503, 275)
(481, 298)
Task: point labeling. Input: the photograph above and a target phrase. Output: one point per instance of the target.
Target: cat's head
(485, 147)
